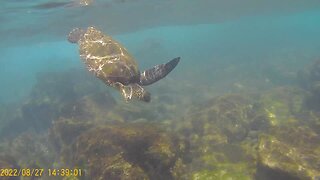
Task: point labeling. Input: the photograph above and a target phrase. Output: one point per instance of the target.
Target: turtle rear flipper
(158, 72)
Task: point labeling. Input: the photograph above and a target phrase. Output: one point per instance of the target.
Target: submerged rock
(124, 151)
(92, 107)
(29, 150)
(55, 95)
(237, 137)
(221, 137)
(231, 115)
(8, 162)
(224, 162)
(309, 79)
(289, 152)
(136, 111)
(65, 131)
(11, 121)
(227, 171)
(283, 104)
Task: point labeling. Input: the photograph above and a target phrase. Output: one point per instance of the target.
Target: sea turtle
(110, 61)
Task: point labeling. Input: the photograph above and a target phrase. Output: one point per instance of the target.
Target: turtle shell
(107, 58)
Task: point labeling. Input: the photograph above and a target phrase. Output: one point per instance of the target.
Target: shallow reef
(234, 137)
(221, 134)
(64, 132)
(71, 120)
(293, 152)
(64, 94)
(28, 150)
(232, 116)
(70, 94)
(118, 151)
(309, 79)
(8, 161)
(10, 118)
(92, 107)
(283, 104)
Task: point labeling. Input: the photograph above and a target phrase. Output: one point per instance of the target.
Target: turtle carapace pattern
(109, 61)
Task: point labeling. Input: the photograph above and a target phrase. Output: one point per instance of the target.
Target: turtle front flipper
(158, 72)
(134, 91)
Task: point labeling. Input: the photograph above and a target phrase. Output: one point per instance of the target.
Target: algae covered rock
(135, 111)
(231, 115)
(51, 92)
(292, 152)
(224, 161)
(11, 121)
(310, 74)
(60, 87)
(30, 150)
(125, 151)
(64, 132)
(309, 79)
(8, 162)
(227, 171)
(282, 104)
(221, 136)
(92, 107)
(70, 94)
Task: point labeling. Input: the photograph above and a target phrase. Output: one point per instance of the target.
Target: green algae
(122, 151)
(225, 171)
(294, 151)
(65, 131)
(231, 116)
(28, 150)
(282, 104)
(70, 178)
(93, 107)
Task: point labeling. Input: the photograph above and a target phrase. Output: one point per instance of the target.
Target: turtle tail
(158, 72)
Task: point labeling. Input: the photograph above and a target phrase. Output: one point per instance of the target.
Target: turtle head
(145, 96)
(75, 35)
(141, 94)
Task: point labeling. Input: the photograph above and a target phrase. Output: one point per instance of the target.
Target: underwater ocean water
(243, 102)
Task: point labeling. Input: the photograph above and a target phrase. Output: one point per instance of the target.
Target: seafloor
(71, 120)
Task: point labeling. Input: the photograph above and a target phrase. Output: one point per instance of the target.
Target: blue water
(33, 43)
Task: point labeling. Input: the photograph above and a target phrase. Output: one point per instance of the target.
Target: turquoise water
(260, 38)
(237, 47)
